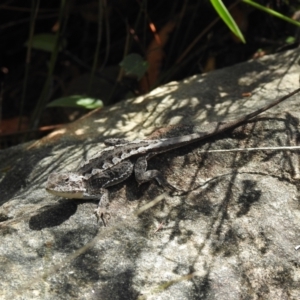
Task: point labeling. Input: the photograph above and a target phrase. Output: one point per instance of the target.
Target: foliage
(133, 64)
(227, 18)
(76, 101)
(46, 42)
(229, 21)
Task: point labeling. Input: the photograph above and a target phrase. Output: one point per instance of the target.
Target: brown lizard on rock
(121, 158)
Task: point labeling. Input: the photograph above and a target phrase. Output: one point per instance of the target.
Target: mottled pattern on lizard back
(111, 156)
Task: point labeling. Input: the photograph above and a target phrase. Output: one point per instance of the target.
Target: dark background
(179, 38)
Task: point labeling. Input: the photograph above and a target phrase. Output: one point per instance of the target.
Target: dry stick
(281, 148)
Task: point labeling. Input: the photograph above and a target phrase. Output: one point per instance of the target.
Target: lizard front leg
(99, 180)
(142, 175)
(101, 211)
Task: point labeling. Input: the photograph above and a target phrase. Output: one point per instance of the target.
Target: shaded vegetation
(73, 50)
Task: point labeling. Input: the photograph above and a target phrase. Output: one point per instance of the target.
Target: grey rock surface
(231, 236)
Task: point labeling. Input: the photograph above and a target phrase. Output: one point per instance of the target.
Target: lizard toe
(101, 213)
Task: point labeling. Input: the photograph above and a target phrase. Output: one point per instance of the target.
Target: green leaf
(77, 101)
(272, 12)
(290, 40)
(133, 64)
(45, 42)
(227, 18)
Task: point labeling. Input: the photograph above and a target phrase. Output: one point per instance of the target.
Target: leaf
(134, 64)
(227, 18)
(77, 101)
(290, 40)
(45, 42)
(272, 12)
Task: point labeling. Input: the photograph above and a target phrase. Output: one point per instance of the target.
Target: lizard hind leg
(142, 175)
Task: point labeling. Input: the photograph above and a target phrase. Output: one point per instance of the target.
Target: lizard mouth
(64, 194)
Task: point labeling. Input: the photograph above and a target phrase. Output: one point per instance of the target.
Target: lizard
(121, 158)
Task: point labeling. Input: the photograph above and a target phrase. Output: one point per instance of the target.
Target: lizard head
(67, 185)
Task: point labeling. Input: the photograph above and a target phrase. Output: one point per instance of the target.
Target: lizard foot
(101, 213)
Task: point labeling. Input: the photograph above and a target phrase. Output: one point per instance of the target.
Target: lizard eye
(65, 177)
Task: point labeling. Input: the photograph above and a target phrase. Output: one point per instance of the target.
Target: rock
(231, 236)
